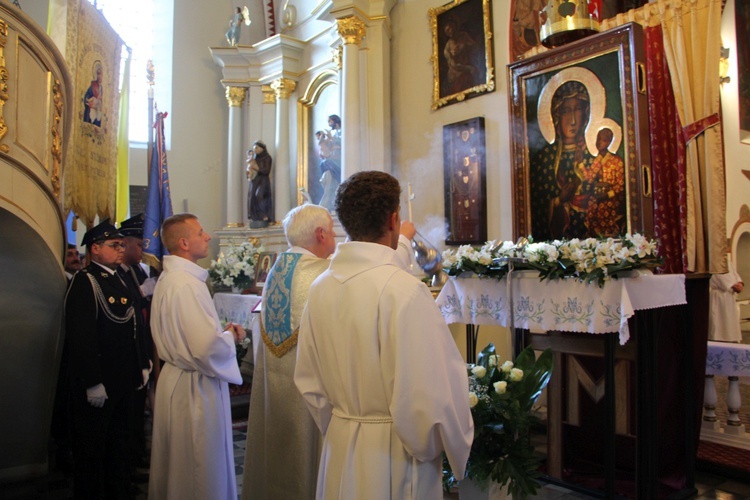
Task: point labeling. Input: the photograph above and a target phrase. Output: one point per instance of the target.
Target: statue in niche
(329, 145)
(259, 194)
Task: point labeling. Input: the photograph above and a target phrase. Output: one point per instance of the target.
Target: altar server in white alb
(376, 363)
(192, 454)
(724, 318)
(283, 442)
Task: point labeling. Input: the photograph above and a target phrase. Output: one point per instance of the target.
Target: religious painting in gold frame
(580, 150)
(742, 27)
(464, 174)
(462, 57)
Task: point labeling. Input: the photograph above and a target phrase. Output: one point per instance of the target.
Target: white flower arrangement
(589, 260)
(235, 266)
(501, 397)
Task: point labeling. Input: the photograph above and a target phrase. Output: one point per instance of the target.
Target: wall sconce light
(289, 14)
(724, 66)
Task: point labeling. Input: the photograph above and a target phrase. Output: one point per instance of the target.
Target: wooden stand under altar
(636, 434)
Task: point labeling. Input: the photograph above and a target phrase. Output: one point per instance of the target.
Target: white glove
(146, 372)
(148, 287)
(96, 395)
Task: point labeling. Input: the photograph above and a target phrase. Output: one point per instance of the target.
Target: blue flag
(159, 200)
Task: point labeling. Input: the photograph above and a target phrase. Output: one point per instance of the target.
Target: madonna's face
(572, 119)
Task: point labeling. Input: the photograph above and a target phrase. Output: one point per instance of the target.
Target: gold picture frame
(583, 188)
(462, 58)
(263, 267)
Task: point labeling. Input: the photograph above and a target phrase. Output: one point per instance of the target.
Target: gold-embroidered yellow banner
(92, 50)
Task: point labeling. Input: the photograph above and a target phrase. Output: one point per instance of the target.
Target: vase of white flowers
(501, 396)
(235, 265)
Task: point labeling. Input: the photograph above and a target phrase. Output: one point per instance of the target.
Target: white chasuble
(283, 442)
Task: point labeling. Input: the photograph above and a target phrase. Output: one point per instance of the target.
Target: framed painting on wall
(742, 27)
(265, 262)
(463, 65)
(465, 182)
(580, 140)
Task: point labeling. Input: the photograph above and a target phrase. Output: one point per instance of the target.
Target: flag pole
(150, 128)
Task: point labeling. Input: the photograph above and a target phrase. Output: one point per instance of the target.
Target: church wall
(417, 134)
(417, 130)
(199, 114)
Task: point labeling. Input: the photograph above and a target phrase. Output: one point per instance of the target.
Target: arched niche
(740, 248)
(321, 99)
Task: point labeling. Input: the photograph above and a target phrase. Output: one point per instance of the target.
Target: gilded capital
(337, 56)
(283, 87)
(3, 32)
(269, 96)
(235, 96)
(351, 30)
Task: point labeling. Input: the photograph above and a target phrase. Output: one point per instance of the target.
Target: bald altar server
(192, 454)
(283, 442)
(376, 363)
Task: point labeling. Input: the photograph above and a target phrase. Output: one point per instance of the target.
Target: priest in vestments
(283, 442)
(376, 363)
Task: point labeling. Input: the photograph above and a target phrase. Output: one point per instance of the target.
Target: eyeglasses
(116, 245)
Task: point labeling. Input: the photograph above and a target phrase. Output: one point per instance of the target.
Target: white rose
(473, 400)
(500, 387)
(484, 258)
(507, 366)
(493, 360)
(515, 375)
(479, 371)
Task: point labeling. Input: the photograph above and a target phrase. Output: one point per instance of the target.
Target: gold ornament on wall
(235, 96)
(269, 96)
(57, 152)
(4, 77)
(283, 87)
(351, 29)
(337, 57)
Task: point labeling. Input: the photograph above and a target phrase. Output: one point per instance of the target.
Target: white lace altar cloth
(561, 305)
(728, 358)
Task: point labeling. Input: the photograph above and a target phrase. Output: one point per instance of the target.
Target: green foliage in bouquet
(590, 260)
(501, 398)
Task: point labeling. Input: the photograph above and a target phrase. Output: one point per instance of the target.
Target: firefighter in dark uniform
(107, 364)
(142, 282)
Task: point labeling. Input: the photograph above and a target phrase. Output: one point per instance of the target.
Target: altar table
(560, 305)
(568, 305)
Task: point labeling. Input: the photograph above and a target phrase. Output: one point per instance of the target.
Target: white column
(352, 30)
(283, 167)
(710, 421)
(235, 173)
(734, 405)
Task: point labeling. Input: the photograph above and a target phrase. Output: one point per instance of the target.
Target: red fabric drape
(667, 158)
